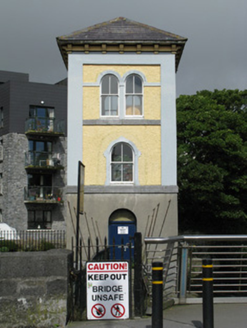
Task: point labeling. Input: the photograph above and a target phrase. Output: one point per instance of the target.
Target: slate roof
(121, 32)
(121, 29)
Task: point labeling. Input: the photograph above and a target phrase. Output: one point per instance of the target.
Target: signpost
(107, 290)
(80, 204)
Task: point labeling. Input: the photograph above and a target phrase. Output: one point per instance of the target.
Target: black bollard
(157, 291)
(208, 302)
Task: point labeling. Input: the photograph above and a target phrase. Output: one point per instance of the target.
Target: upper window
(122, 163)
(109, 95)
(133, 95)
(42, 117)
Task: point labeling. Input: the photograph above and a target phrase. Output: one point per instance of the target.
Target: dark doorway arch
(122, 227)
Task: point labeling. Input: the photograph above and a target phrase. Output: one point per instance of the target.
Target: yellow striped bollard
(208, 302)
(157, 292)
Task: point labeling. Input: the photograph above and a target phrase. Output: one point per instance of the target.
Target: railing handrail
(184, 238)
(185, 283)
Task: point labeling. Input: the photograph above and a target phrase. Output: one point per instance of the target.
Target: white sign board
(123, 230)
(107, 290)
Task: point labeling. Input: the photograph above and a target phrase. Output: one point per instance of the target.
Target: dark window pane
(47, 180)
(127, 153)
(129, 84)
(49, 146)
(127, 172)
(105, 85)
(40, 146)
(31, 145)
(138, 85)
(32, 112)
(114, 84)
(114, 105)
(41, 112)
(116, 172)
(116, 153)
(105, 105)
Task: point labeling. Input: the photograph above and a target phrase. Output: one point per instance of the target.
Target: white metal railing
(182, 258)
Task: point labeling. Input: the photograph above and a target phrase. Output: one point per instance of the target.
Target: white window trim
(121, 94)
(122, 162)
(99, 82)
(136, 155)
(142, 77)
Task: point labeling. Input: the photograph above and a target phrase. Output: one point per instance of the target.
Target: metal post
(183, 276)
(138, 278)
(157, 292)
(208, 307)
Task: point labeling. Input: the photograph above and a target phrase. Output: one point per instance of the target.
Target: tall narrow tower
(122, 125)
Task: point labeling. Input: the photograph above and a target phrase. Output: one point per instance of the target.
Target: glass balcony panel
(43, 159)
(47, 125)
(44, 194)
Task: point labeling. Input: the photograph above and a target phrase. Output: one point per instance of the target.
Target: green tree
(212, 162)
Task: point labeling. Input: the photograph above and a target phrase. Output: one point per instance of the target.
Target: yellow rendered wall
(91, 94)
(96, 140)
(92, 72)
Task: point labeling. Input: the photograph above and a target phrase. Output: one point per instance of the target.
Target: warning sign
(107, 290)
(98, 311)
(117, 310)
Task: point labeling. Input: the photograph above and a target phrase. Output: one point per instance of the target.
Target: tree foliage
(212, 161)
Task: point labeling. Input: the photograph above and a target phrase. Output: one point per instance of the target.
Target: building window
(134, 95)
(122, 163)
(1, 117)
(40, 152)
(43, 118)
(39, 219)
(109, 95)
(40, 186)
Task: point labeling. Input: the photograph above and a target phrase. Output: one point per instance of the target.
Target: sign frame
(108, 284)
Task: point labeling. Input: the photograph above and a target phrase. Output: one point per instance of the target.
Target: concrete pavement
(179, 316)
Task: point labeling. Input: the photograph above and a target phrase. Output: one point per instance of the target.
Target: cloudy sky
(215, 56)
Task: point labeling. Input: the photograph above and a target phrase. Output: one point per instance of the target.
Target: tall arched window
(109, 95)
(134, 95)
(122, 163)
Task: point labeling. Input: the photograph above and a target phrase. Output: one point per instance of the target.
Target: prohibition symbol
(98, 310)
(117, 310)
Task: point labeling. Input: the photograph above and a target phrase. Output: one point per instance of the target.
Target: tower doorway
(122, 227)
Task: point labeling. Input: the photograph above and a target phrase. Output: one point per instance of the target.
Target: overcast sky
(215, 55)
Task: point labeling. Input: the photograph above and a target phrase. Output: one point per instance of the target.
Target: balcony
(44, 127)
(45, 161)
(42, 195)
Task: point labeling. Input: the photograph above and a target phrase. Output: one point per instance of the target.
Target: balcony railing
(43, 160)
(44, 126)
(43, 194)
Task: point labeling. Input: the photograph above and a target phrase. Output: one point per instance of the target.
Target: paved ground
(179, 316)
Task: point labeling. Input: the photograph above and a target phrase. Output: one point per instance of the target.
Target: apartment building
(32, 152)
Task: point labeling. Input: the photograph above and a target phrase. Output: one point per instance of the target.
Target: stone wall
(14, 179)
(34, 289)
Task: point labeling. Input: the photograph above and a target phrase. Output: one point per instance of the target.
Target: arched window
(109, 95)
(122, 163)
(134, 95)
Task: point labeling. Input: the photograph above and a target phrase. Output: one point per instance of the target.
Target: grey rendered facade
(26, 154)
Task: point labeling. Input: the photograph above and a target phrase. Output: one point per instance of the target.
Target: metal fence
(32, 240)
(182, 257)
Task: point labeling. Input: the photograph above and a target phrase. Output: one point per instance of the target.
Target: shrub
(4, 249)
(11, 245)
